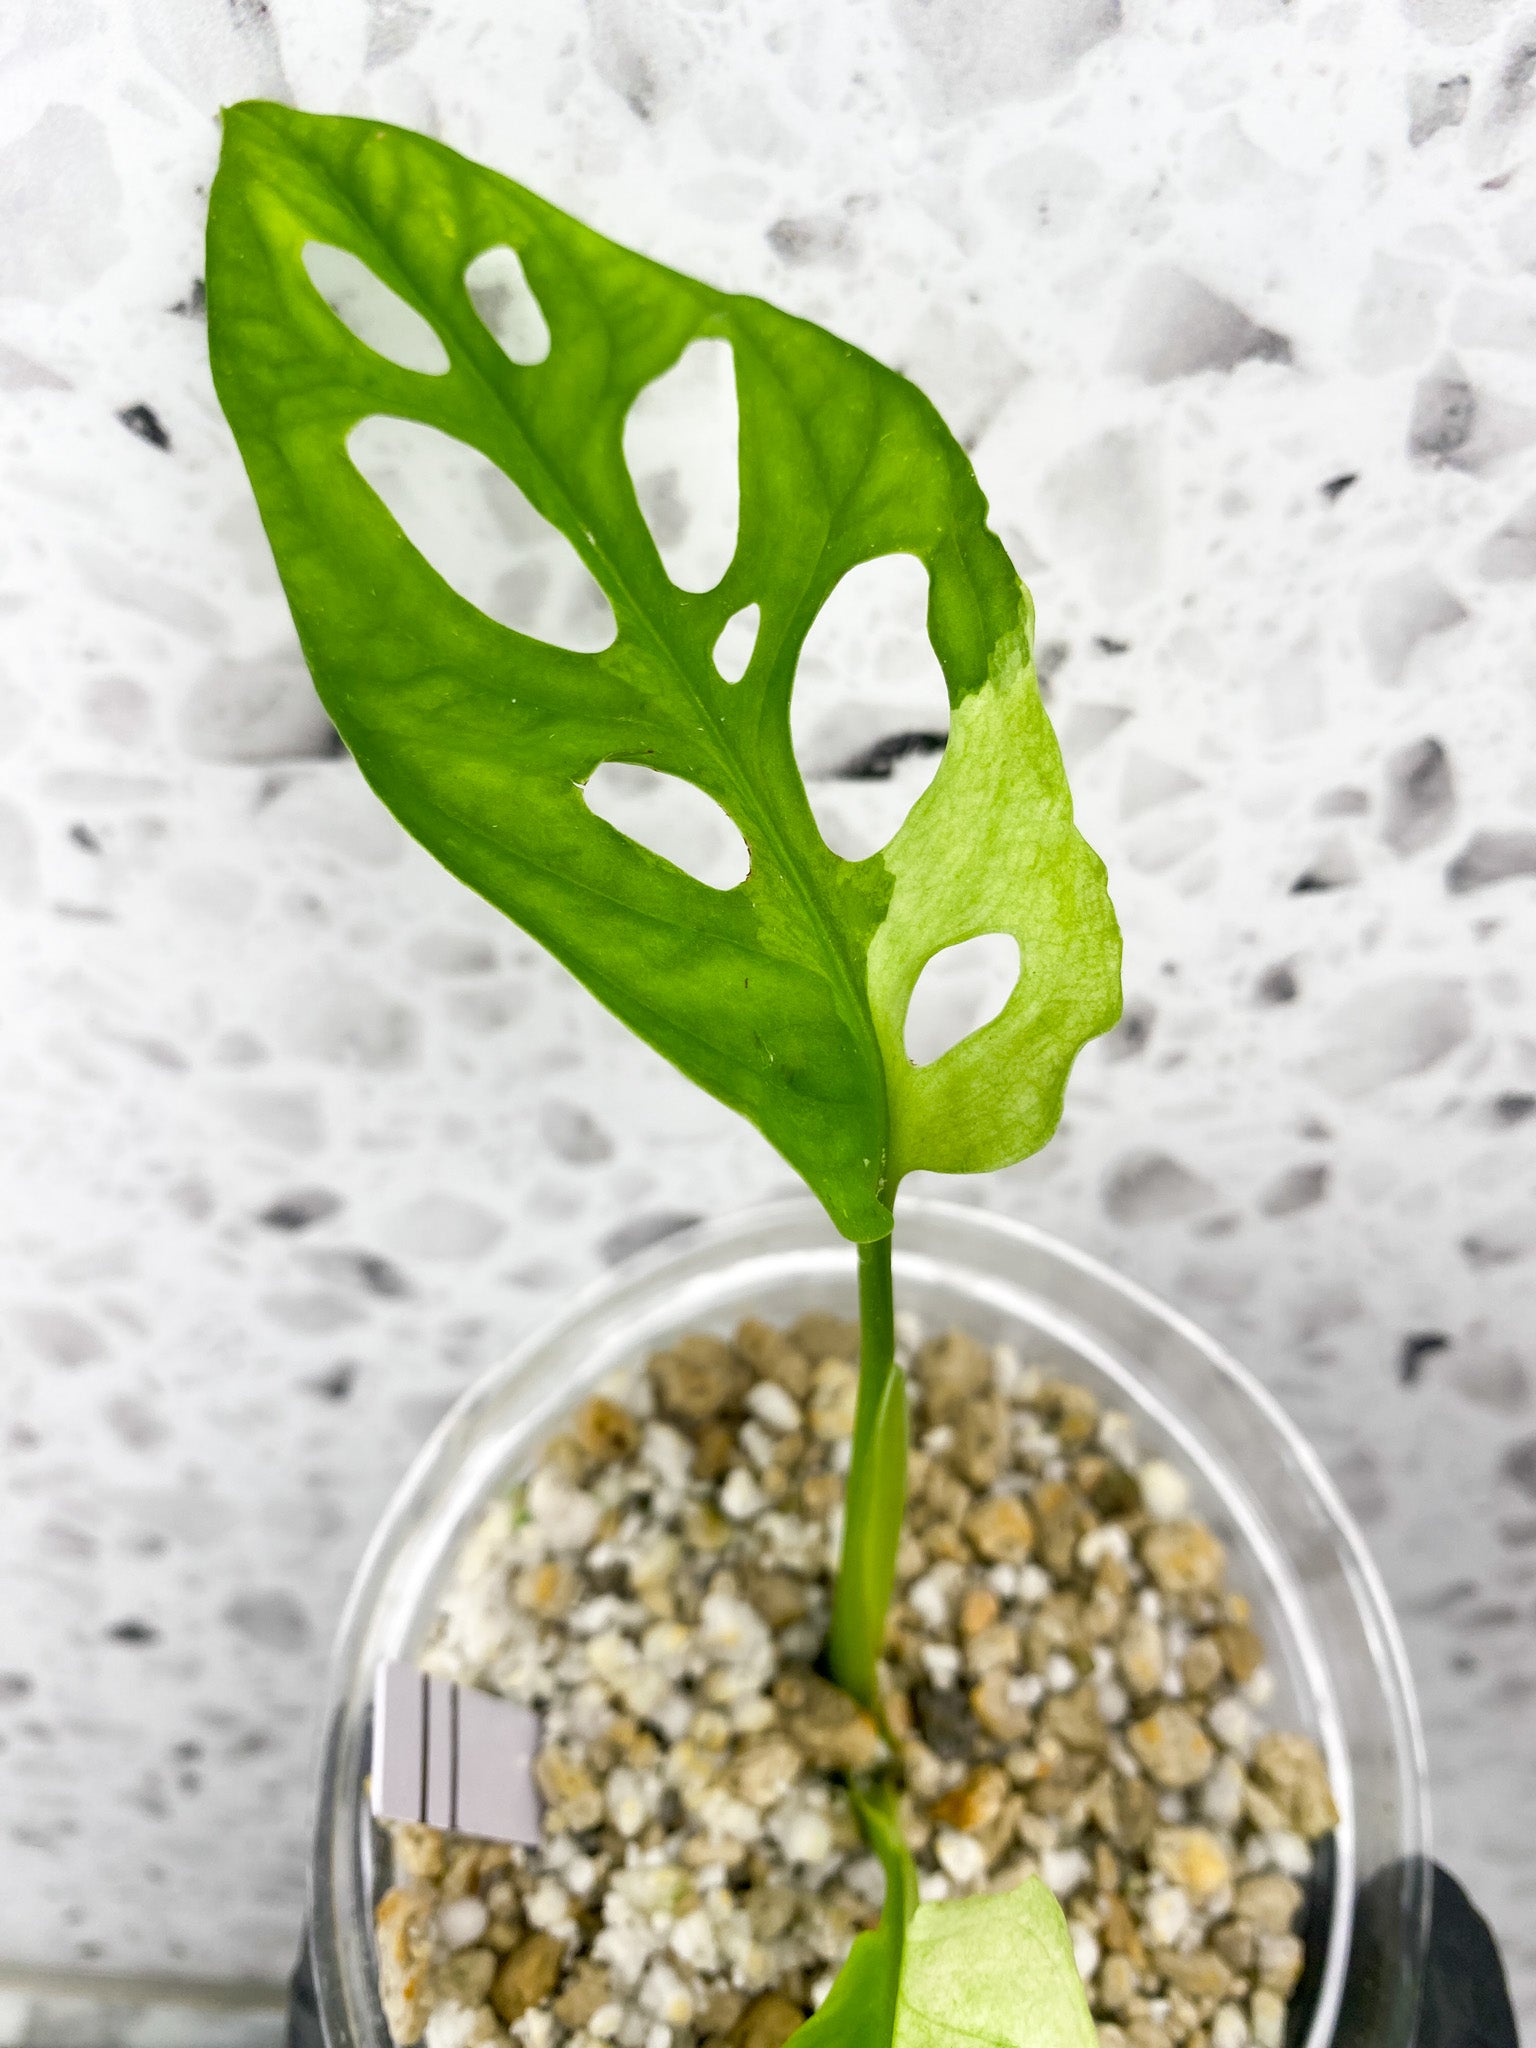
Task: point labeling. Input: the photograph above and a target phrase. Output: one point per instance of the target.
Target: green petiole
(877, 1488)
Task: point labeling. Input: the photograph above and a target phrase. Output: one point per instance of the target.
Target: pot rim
(335, 1836)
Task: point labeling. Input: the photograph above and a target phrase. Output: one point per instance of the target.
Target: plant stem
(877, 1487)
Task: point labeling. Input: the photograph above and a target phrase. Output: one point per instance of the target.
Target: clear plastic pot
(1318, 1602)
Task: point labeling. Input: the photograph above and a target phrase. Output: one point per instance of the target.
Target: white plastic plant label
(453, 1757)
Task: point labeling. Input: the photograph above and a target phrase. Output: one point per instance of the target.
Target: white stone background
(1172, 270)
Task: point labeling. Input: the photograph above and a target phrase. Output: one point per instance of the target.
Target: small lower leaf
(994, 1971)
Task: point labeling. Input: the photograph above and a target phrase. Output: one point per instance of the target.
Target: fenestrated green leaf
(995, 1971)
(786, 995)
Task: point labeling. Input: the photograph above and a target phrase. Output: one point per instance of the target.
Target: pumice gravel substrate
(1069, 1686)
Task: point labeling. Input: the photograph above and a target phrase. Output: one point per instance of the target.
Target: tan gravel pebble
(833, 1398)
(698, 1378)
(1241, 1650)
(604, 1430)
(1269, 1902)
(1183, 1557)
(1068, 1684)
(952, 1371)
(767, 2022)
(1198, 1973)
(773, 1356)
(833, 1730)
(975, 1802)
(1001, 1530)
(1172, 1747)
(527, 1976)
(1140, 1653)
(1192, 1858)
(1289, 1768)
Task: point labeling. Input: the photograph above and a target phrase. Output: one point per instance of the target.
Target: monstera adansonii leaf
(785, 996)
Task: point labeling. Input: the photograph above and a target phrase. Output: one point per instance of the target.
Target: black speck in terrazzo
(1436, 103)
(878, 763)
(1491, 1375)
(1344, 802)
(254, 712)
(316, 1314)
(394, 26)
(58, 1335)
(1151, 1187)
(134, 1632)
(1414, 1349)
(336, 1383)
(85, 838)
(1497, 1244)
(812, 239)
(1514, 92)
(297, 1210)
(1494, 1615)
(1050, 658)
(371, 1270)
(624, 63)
(1519, 1466)
(1508, 555)
(1336, 486)
(1106, 645)
(135, 1423)
(272, 1620)
(1133, 1032)
(1512, 1107)
(1175, 326)
(642, 1231)
(14, 1685)
(574, 1134)
(1391, 1029)
(149, 1796)
(1399, 613)
(1444, 413)
(58, 1537)
(195, 305)
(144, 421)
(1490, 857)
(454, 953)
(1333, 867)
(1277, 984)
(1420, 796)
(1085, 727)
(1299, 1187)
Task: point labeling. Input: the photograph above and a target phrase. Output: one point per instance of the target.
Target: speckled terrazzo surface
(1236, 306)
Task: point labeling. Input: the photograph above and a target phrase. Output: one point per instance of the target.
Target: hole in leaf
(870, 714)
(672, 818)
(733, 650)
(481, 534)
(959, 990)
(378, 317)
(503, 297)
(680, 445)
